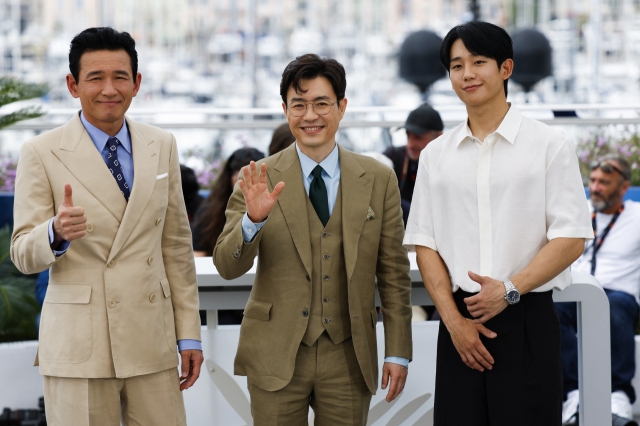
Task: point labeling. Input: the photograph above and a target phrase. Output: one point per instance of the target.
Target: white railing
(594, 357)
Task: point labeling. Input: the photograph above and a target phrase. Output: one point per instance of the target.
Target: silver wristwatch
(511, 294)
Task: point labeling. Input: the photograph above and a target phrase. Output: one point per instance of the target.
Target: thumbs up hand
(70, 223)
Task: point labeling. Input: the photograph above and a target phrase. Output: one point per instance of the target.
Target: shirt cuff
(250, 229)
(64, 244)
(397, 360)
(188, 344)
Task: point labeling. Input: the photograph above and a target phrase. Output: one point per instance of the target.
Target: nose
(109, 88)
(468, 74)
(310, 113)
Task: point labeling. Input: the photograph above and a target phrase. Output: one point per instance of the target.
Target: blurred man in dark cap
(423, 125)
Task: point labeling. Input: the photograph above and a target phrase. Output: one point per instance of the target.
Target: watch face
(513, 297)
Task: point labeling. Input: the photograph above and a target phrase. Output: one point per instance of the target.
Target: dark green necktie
(318, 195)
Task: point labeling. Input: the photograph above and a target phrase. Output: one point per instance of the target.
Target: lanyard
(597, 243)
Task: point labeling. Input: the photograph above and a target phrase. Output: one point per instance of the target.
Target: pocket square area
(370, 214)
(164, 175)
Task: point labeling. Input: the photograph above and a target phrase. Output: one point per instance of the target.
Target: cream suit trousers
(152, 399)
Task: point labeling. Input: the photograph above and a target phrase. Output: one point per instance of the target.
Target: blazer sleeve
(394, 281)
(232, 256)
(32, 210)
(178, 258)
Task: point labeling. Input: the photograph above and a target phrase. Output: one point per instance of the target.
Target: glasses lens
(322, 107)
(297, 110)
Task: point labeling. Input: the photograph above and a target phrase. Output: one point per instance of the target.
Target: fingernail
(493, 334)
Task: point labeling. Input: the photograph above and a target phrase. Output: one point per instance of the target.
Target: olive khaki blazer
(273, 327)
(122, 295)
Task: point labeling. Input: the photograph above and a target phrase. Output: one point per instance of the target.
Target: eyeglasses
(608, 167)
(298, 109)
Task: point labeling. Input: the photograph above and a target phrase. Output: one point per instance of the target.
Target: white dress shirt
(618, 260)
(490, 206)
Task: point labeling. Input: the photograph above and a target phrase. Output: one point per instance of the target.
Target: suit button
(111, 303)
(326, 278)
(158, 220)
(326, 299)
(89, 227)
(326, 320)
(150, 260)
(308, 278)
(305, 313)
(111, 264)
(324, 235)
(235, 254)
(325, 257)
(152, 298)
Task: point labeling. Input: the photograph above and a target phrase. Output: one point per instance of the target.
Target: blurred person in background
(282, 138)
(422, 126)
(190, 188)
(210, 218)
(613, 258)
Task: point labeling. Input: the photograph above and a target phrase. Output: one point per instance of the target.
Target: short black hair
(101, 38)
(309, 66)
(480, 38)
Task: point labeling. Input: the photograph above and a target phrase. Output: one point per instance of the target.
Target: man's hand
(397, 374)
(466, 338)
(192, 360)
(256, 193)
(489, 302)
(70, 223)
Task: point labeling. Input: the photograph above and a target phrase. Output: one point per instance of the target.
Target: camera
(29, 417)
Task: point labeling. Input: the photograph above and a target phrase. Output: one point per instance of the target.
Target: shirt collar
(329, 165)
(508, 129)
(100, 138)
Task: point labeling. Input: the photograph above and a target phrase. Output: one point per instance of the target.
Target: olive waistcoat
(329, 294)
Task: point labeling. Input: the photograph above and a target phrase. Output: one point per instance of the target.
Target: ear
(72, 86)
(284, 109)
(506, 69)
(624, 187)
(136, 87)
(342, 107)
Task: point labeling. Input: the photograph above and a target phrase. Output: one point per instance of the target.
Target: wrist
(511, 293)
(256, 220)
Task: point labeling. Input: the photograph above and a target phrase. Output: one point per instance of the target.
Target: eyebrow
(118, 72)
(318, 98)
(459, 58)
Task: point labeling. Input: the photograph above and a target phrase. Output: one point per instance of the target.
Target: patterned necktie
(115, 168)
(318, 195)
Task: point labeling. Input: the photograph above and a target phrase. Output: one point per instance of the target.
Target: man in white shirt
(497, 218)
(616, 265)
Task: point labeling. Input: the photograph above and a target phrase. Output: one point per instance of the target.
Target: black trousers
(524, 387)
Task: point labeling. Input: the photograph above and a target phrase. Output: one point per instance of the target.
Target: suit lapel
(78, 153)
(145, 166)
(356, 195)
(294, 210)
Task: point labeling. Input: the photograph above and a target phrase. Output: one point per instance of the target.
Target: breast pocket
(66, 333)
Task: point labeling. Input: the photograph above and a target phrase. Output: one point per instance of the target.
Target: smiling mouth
(313, 129)
(468, 88)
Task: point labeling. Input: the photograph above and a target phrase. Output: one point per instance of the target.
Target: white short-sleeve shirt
(490, 206)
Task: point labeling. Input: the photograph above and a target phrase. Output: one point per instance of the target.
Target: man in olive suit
(324, 223)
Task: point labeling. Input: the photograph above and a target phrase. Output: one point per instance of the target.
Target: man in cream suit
(122, 290)
(324, 223)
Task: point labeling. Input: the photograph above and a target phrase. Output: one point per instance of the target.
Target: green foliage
(620, 140)
(14, 90)
(18, 306)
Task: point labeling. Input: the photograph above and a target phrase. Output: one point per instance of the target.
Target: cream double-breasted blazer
(372, 232)
(122, 295)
